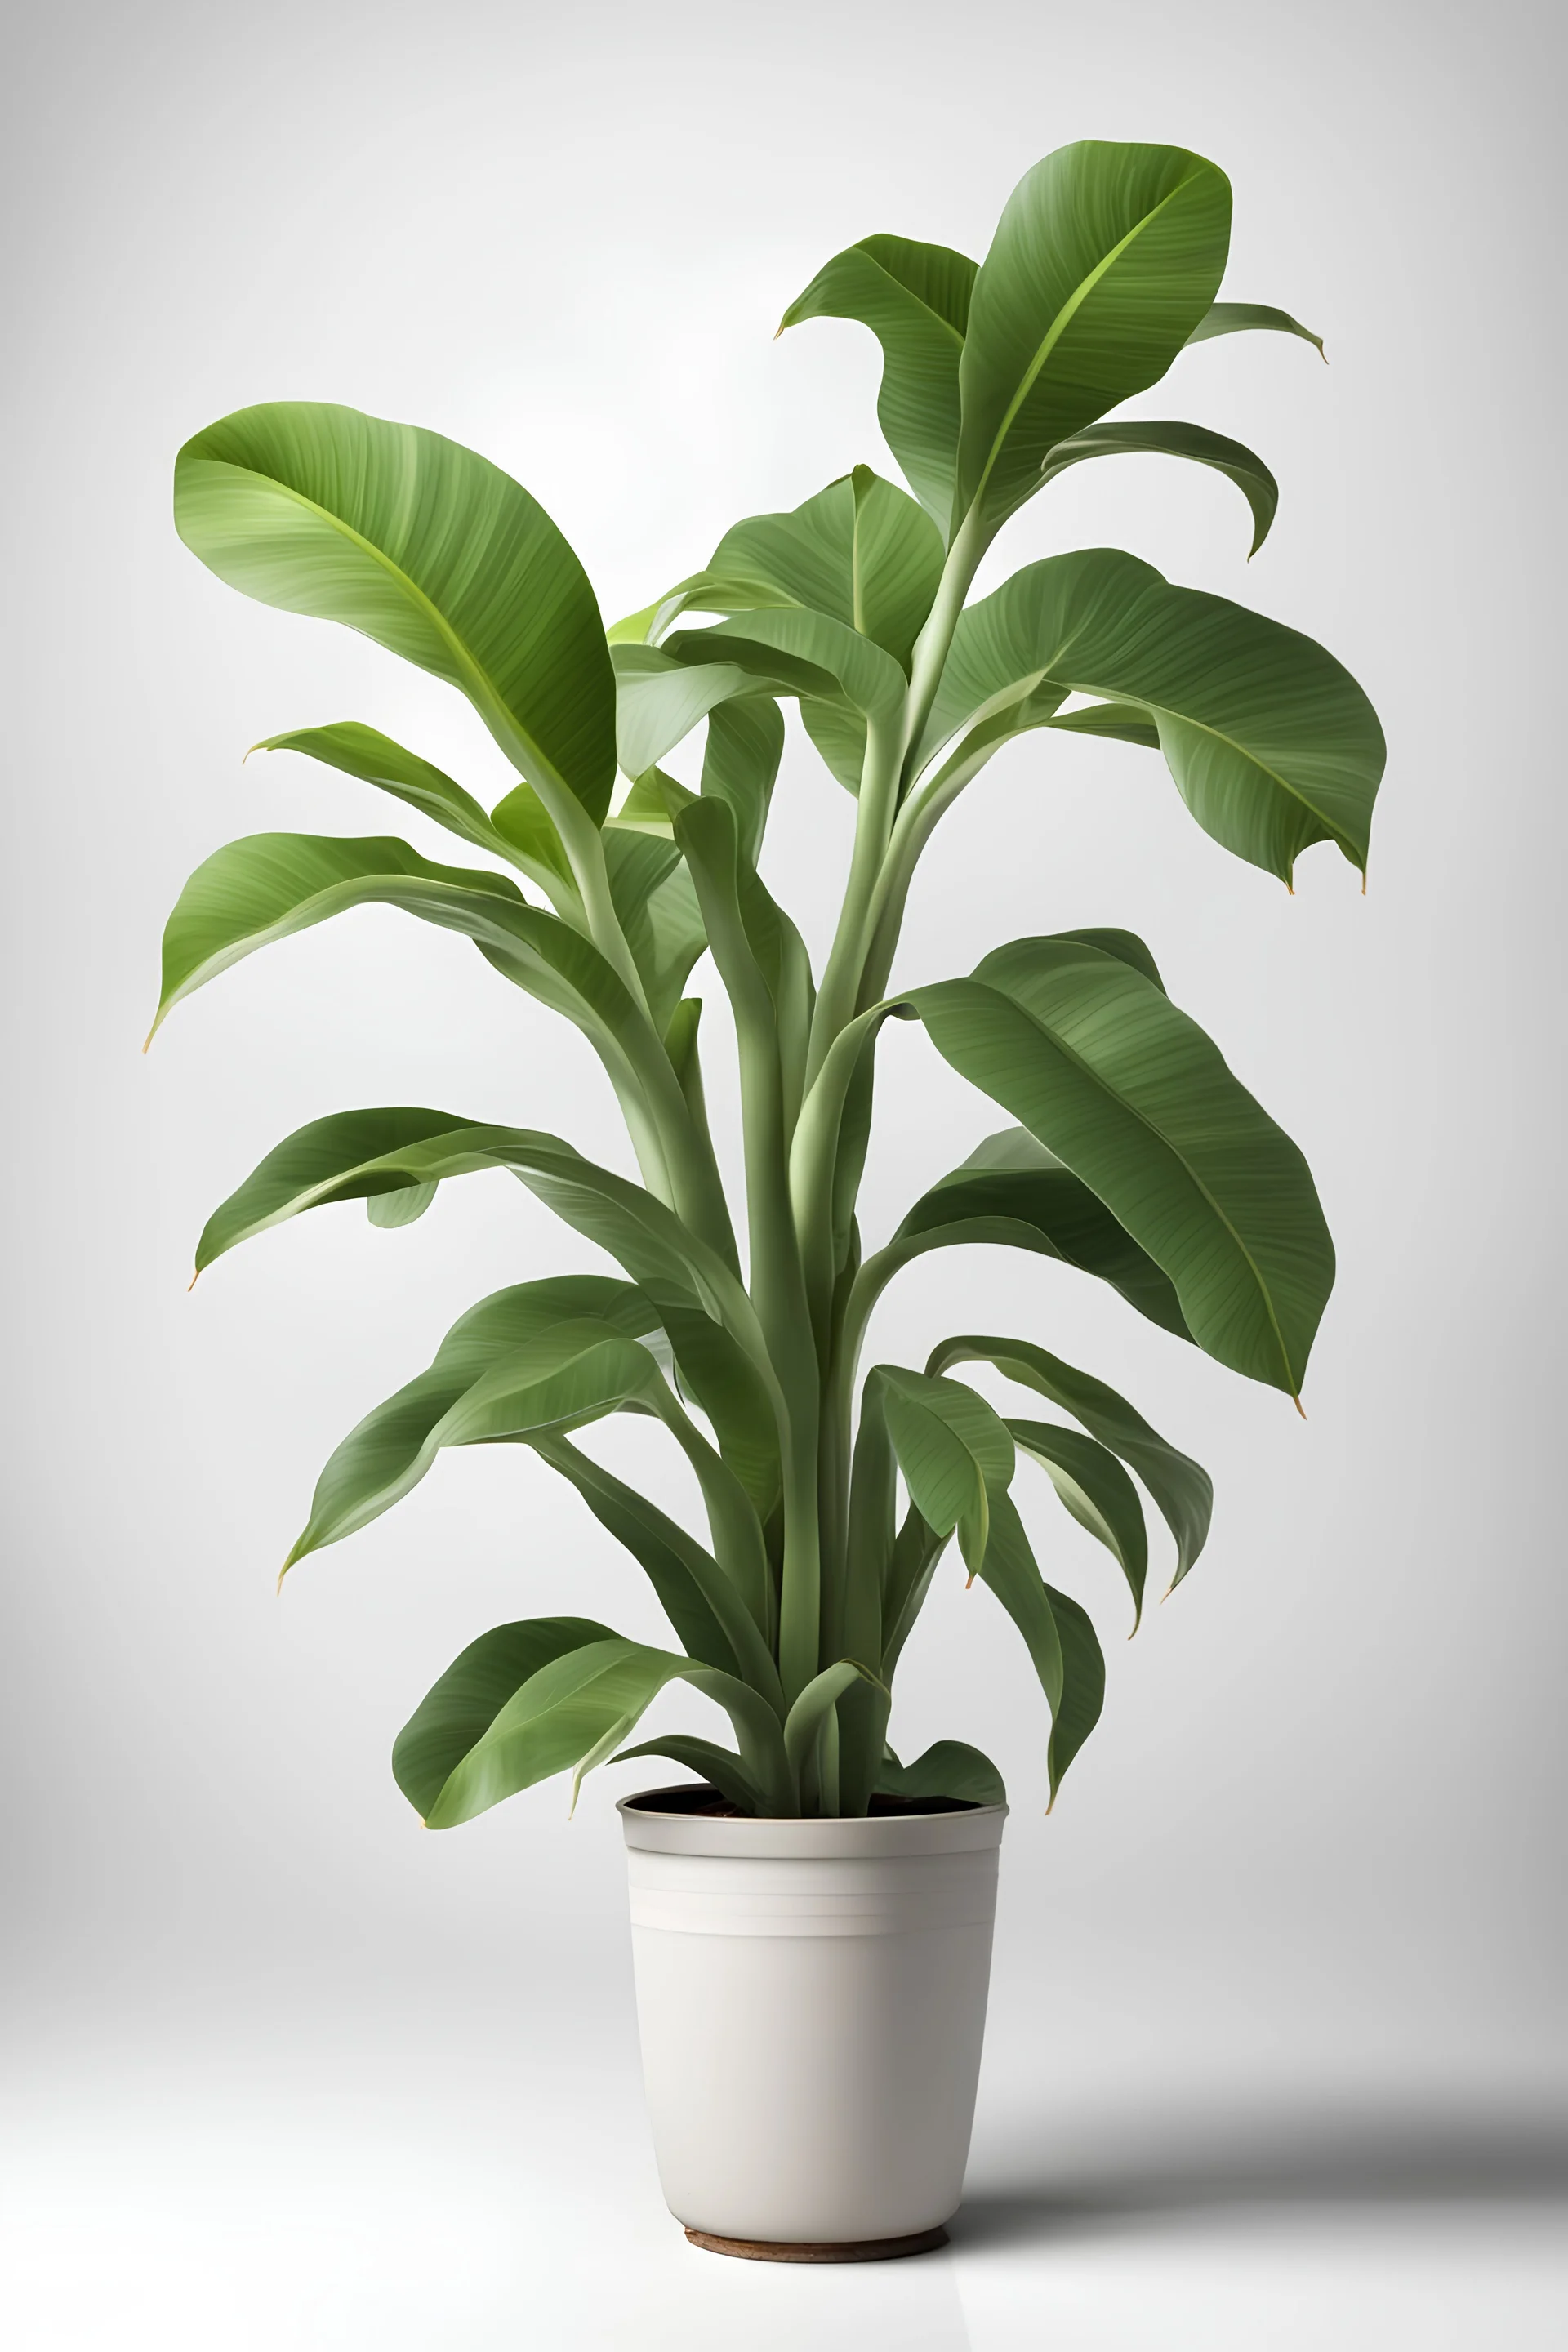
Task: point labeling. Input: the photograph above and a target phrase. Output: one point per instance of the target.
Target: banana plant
(831, 1487)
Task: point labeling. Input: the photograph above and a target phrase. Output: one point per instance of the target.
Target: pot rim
(960, 1828)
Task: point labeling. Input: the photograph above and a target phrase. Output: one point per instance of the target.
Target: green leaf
(950, 1768)
(809, 1716)
(1237, 318)
(426, 548)
(404, 1207)
(1095, 1488)
(567, 1713)
(1012, 1191)
(791, 651)
(374, 758)
(472, 1693)
(720, 1767)
(954, 1452)
(654, 900)
(1105, 259)
(1057, 1632)
(915, 300)
(553, 1380)
(839, 736)
(1181, 1488)
(1272, 744)
(741, 766)
(380, 1154)
(659, 699)
(1231, 458)
(860, 551)
(1131, 1095)
(688, 1582)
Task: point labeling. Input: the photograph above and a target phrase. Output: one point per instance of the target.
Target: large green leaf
(860, 551)
(567, 1713)
(954, 1452)
(1194, 442)
(270, 886)
(472, 1693)
(1131, 1095)
(426, 548)
(659, 698)
(552, 1381)
(382, 1155)
(656, 906)
(374, 758)
(1272, 744)
(1181, 1488)
(1105, 259)
(1013, 1193)
(915, 300)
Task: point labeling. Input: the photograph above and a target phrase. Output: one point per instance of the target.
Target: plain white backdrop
(1276, 2043)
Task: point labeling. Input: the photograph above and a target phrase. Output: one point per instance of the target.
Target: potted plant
(812, 1917)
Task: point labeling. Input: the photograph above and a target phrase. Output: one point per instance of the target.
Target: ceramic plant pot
(811, 1998)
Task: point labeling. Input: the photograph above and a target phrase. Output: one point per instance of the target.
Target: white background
(1276, 2051)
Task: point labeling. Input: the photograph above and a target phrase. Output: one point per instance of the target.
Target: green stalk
(873, 823)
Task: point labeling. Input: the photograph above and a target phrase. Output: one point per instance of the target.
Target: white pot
(811, 1997)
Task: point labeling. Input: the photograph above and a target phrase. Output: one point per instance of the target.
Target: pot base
(846, 2250)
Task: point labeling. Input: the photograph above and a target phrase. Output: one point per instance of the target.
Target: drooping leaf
(788, 650)
(1194, 442)
(1272, 744)
(1239, 318)
(954, 1452)
(915, 300)
(720, 1767)
(690, 1585)
(1181, 1488)
(567, 1713)
(429, 548)
(1057, 1634)
(1012, 1191)
(571, 1371)
(472, 1693)
(1095, 1488)
(950, 1768)
(659, 699)
(1105, 259)
(374, 758)
(1132, 1096)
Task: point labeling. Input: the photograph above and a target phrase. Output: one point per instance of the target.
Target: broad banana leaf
(567, 1714)
(861, 552)
(429, 548)
(788, 650)
(915, 300)
(1181, 1488)
(1134, 1098)
(1272, 744)
(382, 1155)
(1105, 259)
(1194, 442)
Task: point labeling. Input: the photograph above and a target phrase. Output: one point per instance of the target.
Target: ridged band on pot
(811, 1998)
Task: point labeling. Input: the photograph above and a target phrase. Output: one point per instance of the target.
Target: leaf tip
(193, 1282)
(277, 1588)
(1298, 1405)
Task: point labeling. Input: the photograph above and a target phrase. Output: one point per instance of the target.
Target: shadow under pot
(811, 2000)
